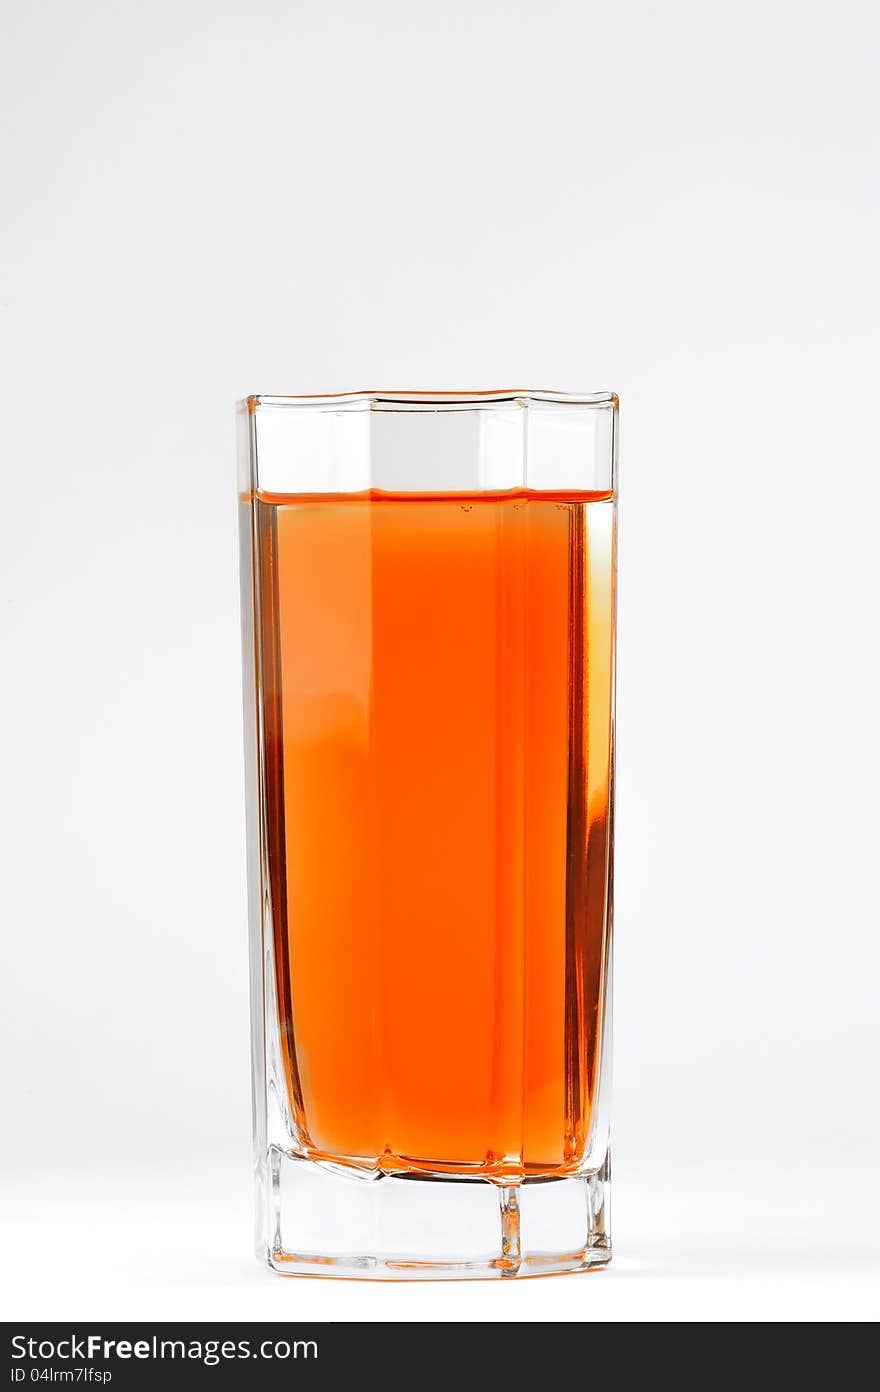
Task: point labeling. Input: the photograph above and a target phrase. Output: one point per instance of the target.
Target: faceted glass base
(324, 1220)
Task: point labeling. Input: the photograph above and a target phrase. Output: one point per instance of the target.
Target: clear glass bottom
(324, 1220)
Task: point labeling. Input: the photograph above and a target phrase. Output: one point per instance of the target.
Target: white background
(675, 200)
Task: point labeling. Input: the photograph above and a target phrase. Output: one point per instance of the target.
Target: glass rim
(409, 400)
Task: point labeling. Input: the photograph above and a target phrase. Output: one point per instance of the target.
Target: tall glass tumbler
(428, 598)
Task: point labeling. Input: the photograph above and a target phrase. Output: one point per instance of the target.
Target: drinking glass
(428, 606)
